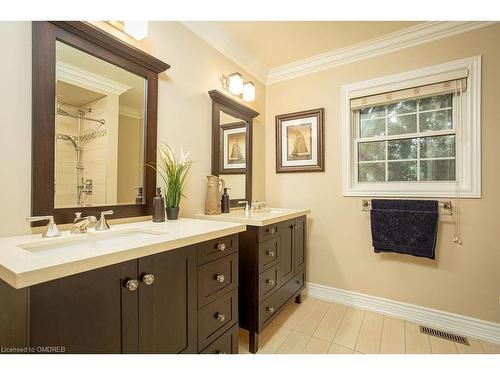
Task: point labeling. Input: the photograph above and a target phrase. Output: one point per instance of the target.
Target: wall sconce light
(248, 92)
(234, 84)
(136, 29)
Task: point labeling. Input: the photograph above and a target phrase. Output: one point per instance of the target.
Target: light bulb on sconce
(136, 29)
(235, 83)
(248, 92)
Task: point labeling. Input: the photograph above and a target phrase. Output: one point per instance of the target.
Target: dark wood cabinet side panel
(248, 278)
(168, 307)
(13, 316)
(300, 245)
(82, 312)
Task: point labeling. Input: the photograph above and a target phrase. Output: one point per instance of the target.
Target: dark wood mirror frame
(221, 102)
(92, 40)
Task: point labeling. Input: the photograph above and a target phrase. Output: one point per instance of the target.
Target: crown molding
(406, 38)
(228, 47)
(83, 78)
(131, 112)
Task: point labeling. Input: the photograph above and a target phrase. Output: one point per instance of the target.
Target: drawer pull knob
(270, 309)
(221, 246)
(270, 281)
(132, 285)
(220, 278)
(148, 279)
(221, 317)
(270, 253)
(270, 230)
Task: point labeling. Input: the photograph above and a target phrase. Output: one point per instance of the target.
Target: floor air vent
(444, 335)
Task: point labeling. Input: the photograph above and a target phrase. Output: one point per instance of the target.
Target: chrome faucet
(51, 230)
(248, 206)
(81, 224)
(258, 205)
(103, 223)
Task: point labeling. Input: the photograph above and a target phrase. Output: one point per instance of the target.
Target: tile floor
(320, 327)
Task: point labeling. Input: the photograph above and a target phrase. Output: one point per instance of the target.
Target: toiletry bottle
(138, 199)
(158, 207)
(225, 201)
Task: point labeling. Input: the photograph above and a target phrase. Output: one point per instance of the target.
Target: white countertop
(257, 218)
(30, 259)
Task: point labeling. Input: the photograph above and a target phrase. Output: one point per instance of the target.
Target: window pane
(437, 147)
(402, 149)
(402, 124)
(371, 128)
(439, 120)
(402, 107)
(435, 102)
(371, 172)
(371, 151)
(372, 112)
(402, 170)
(437, 170)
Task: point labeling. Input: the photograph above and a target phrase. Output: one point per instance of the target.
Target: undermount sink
(93, 240)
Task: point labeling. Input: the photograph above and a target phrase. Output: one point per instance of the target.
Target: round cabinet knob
(270, 230)
(270, 253)
(148, 279)
(270, 309)
(221, 317)
(221, 246)
(270, 281)
(132, 285)
(220, 278)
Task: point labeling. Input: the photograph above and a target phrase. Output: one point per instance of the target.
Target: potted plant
(173, 171)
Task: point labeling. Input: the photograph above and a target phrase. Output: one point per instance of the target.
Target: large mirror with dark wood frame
(232, 145)
(94, 122)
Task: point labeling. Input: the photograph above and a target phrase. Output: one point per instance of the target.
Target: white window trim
(470, 186)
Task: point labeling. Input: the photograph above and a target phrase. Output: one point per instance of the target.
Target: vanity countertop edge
(262, 218)
(20, 268)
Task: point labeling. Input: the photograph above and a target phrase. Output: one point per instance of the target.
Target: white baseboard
(460, 324)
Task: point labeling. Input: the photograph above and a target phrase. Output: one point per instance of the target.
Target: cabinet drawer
(269, 253)
(270, 307)
(214, 249)
(216, 317)
(217, 278)
(226, 344)
(269, 231)
(268, 282)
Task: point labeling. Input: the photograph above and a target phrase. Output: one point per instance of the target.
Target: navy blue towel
(405, 226)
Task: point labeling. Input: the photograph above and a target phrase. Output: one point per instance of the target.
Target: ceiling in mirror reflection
(100, 122)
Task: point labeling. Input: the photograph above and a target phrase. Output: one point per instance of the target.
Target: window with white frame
(414, 134)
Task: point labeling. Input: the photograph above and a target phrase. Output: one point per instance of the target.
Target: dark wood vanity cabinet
(272, 272)
(177, 301)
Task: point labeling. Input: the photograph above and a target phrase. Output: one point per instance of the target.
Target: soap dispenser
(158, 207)
(225, 201)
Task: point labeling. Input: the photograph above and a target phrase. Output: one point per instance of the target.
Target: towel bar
(447, 206)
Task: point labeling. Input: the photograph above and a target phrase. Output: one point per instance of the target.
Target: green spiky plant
(173, 171)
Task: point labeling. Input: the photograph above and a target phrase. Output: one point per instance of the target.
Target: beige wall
(184, 113)
(463, 279)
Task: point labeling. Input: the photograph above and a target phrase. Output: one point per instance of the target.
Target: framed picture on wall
(233, 150)
(299, 142)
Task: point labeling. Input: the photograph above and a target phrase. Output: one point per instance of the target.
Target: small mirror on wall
(232, 145)
(233, 151)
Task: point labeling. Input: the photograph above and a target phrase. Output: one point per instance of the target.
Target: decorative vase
(215, 186)
(172, 213)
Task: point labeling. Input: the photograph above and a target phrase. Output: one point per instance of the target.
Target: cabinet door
(167, 307)
(83, 312)
(299, 245)
(287, 255)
